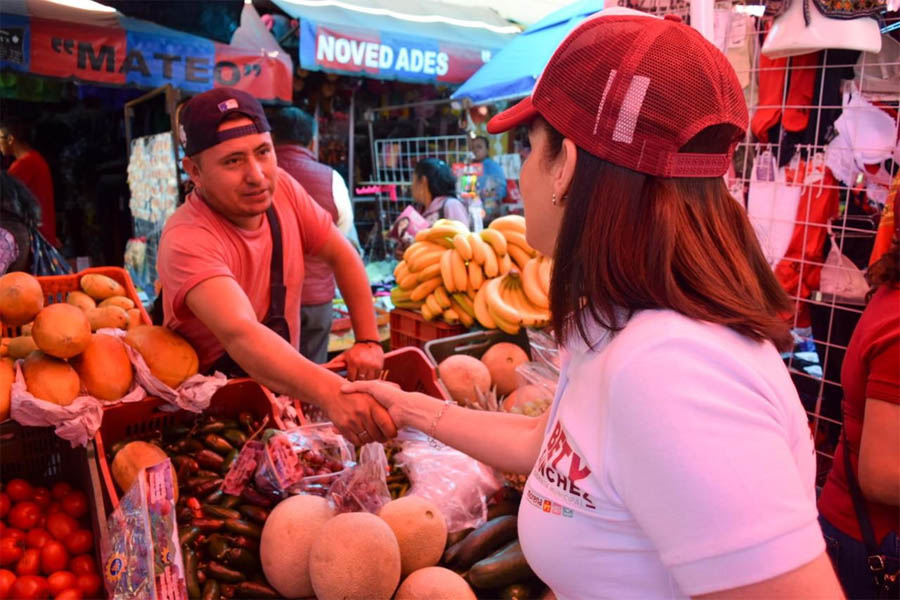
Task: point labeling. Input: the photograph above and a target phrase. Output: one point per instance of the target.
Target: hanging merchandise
(772, 206)
(803, 27)
(840, 277)
(889, 226)
(792, 111)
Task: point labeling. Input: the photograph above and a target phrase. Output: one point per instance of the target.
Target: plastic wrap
(141, 555)
(363, 488)
(457, 483)
(302, 460)
(536, 389)
(544, 349)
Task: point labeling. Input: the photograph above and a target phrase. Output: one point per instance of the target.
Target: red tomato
(61, 580)
(30, 587)
(53, 508)
(53, 557)
(70, 594)
(11, 551)
(60, 490)
(7, 579)
(37, 537)
(83, 565)
(80, 542)
(75, 504)
(25, 515)
(41, 497)
(5, 504)
(89, 584)
(14, 533)
(30, 563)
(19, 490)
(60, 525)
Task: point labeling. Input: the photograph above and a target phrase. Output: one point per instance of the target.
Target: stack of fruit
(494, 276)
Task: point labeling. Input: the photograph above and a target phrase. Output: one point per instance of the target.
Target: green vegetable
(224, 574)
(481, 542)
(506, 567)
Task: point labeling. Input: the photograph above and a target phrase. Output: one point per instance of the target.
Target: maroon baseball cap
(632, 90)
(200, 117)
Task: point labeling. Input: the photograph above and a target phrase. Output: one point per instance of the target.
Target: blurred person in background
(434, 188)
(32, 170)
(19, 214)
(294, 132)
(491, 184)
(859, 508)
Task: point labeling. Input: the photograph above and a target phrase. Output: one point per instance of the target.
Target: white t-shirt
(677, 461)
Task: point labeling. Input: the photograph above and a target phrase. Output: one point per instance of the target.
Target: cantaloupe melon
(434, 583)
(50, 378)
(168, 355)
(7, 375)
(286, 540)
(113, 317)
(61, 330)
(122, 302)
(100, 287)
(21, 346)
(133, 457)
(355, 556)
(104, 367)
(466, 378)
(421, 531)
(501, 360)
(21, 298)
(81, 300)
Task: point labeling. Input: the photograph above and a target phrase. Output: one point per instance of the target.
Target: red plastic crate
(143, 419)
(413, 372)
(41, 457)
(56, 287)
(409, 328)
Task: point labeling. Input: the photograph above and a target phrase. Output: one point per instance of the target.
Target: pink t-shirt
(197, 243)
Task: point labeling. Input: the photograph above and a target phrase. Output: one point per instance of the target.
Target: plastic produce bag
(306, 460)
(536, 389)
(544, 349)
(457, 483)
(363, 488)
(141, 555)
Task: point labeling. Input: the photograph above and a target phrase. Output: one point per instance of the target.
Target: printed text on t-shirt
(551, 468)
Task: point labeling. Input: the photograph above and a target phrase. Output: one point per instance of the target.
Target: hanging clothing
(889, 226)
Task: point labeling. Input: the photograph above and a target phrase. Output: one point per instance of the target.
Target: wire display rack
(395, 159)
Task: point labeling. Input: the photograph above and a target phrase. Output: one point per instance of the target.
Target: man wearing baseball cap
(231, 264)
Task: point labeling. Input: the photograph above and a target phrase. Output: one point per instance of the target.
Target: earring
(553, 199)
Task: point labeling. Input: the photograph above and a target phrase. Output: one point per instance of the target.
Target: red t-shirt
(33, 171)
(197, 244)
(871, 369)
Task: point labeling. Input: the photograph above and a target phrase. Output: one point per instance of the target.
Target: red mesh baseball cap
(632, 90)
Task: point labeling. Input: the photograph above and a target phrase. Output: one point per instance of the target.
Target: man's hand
(364, 361)
(360, 418)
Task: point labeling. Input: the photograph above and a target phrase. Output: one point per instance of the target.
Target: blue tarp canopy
(513, 71)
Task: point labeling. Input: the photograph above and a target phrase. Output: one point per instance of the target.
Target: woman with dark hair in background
(19, 215)
(676, 459)
(434, 187)
(870, 444)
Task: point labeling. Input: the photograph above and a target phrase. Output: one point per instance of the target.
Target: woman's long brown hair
(630, 242)
(886, 270)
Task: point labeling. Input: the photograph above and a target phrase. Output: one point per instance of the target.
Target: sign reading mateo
(362, 55)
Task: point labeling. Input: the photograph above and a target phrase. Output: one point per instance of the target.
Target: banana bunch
(448, 268)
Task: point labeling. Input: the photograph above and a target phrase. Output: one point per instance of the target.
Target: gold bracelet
(434, 422)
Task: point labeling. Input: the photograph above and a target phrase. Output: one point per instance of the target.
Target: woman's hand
(397, 402)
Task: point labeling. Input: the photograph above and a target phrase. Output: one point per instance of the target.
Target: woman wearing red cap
(676, 459)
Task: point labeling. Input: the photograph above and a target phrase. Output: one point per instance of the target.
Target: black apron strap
(274, 318)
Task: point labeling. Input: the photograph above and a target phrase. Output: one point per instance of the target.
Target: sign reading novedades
(373, 55)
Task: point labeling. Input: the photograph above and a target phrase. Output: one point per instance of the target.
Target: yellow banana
(465, 316)
(495, 240)
(471, 294)
(498, 305)
(442, 231)
(463, 302)
(544, 272)
(427, 314)
(461, 243)
(520, 257)
(443, 299)
(515, 238)
(447, 270)
(512, 293)
(400, 270)
(505, 264)
(491, 266)
(460, 275)
(409, 282)
(531, 284)
(503, 325)
(451, 316)
(432, 270)
(398, 294)
(476, 277)
(410, 305)
(481, 310)
(432, 304)
(458, 225)
(423, 259)
(423, 289)
(418, 248)
(509, 223)
(478, 248)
